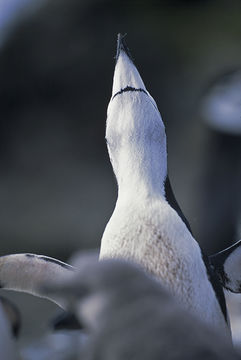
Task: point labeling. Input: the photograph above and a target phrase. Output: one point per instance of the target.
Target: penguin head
(135, 133)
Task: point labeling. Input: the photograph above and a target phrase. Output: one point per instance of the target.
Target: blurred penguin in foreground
(128, 315)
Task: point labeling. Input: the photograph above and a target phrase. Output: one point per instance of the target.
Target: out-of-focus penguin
(24, 272)
(128, 314)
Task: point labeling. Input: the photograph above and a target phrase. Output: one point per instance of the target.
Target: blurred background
(57, 189)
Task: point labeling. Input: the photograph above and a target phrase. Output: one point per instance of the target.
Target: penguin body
(161, 244)
(144, 228)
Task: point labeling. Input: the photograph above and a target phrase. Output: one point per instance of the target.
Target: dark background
(57, 189)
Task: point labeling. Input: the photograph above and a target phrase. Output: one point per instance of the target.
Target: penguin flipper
(29, 272)
(227, 265)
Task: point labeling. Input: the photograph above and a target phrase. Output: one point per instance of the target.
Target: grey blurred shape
(57, 346)
(220, 196)
(128, 315)
(7, 346)
(13, 315)
(221, 105)
(13, 11)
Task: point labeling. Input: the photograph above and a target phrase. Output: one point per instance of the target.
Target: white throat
(135, 135)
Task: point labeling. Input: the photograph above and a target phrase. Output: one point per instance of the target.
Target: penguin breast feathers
(159, 241)
(153, 238)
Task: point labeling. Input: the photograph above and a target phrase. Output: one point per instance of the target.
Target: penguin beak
(126, 74)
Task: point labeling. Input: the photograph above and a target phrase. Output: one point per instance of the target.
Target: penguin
(27, 272)
(126, 311)
(144, 228)
(156, 192)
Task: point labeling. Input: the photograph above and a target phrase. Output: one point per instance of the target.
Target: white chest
(156, 238)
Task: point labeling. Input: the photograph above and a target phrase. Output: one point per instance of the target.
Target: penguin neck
(142, 176)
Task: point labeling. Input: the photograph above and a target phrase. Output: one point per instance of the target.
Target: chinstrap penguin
(144, 228)
(137, 147)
